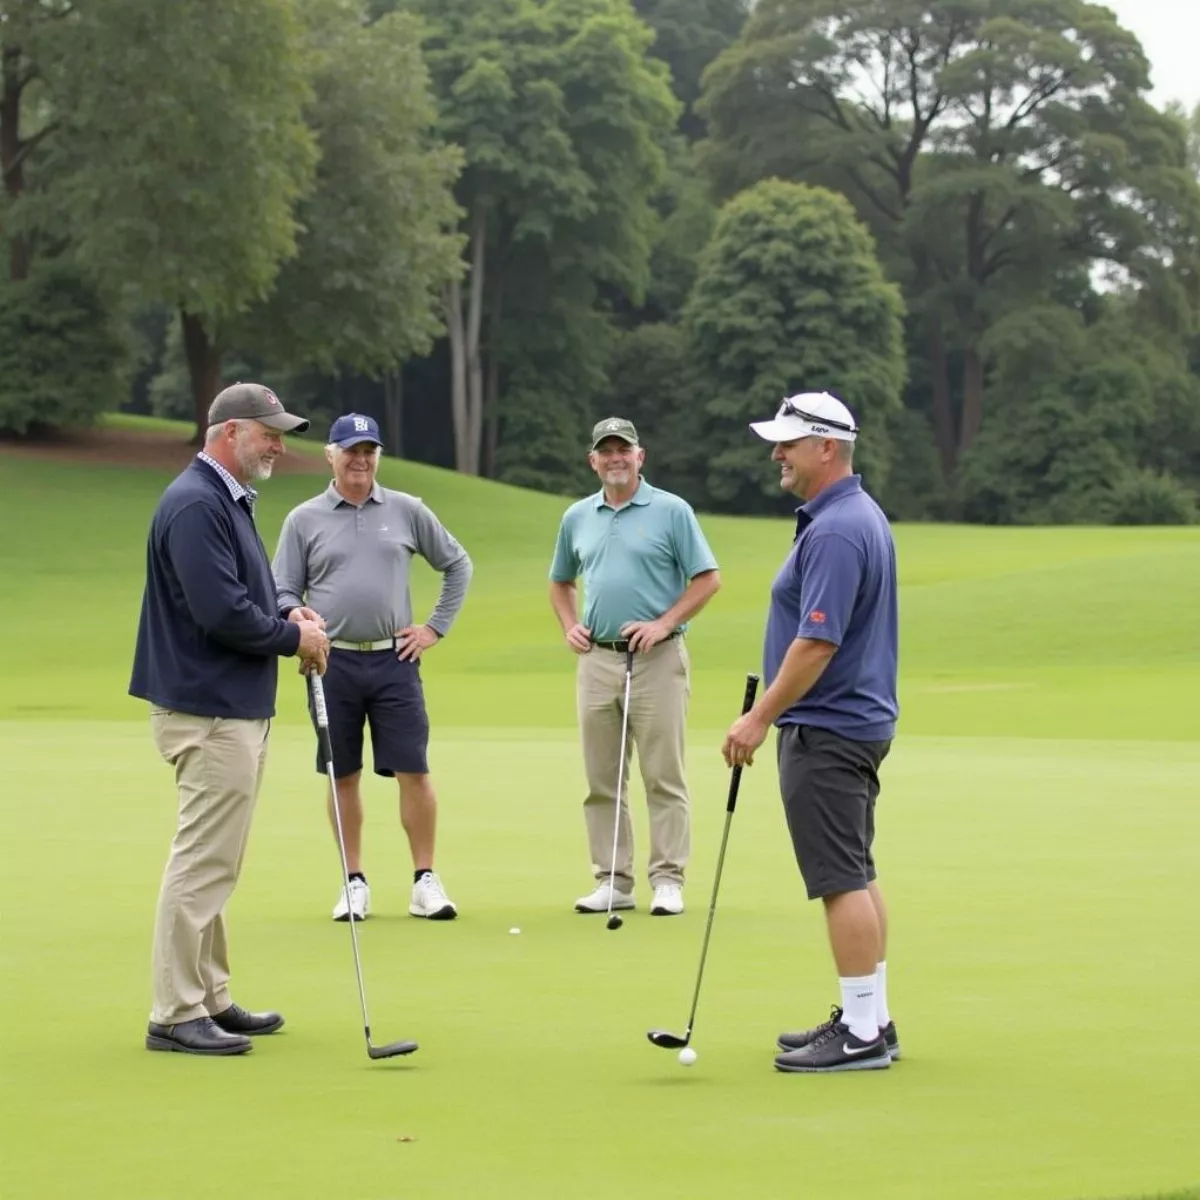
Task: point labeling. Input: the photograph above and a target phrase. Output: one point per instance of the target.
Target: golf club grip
(736, 779)
(320, 716)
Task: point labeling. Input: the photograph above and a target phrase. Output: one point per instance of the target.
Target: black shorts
(829, 786)
(376, 688)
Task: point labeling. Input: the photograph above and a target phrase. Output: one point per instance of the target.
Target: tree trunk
(491, 399)
(458, 372)
(11, 164)
(393, 411)
(972, 412)
(204, 369)
(943, 409)
(474, 331)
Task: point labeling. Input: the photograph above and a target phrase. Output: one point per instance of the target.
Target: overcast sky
(1169, 31)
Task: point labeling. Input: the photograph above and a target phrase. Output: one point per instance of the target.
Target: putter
(321, 721)
(660, 1037)
(614, 921)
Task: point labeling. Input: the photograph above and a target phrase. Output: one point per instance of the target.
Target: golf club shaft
(321, 716)
(612, 874)
(730, 806)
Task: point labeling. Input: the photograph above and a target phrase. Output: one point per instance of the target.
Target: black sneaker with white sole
(797, 1041)
(836, 1049)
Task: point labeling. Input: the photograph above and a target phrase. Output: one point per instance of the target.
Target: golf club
(321, 720)
(614, 921)
(660, 1037)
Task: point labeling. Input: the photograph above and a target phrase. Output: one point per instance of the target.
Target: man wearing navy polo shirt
(829, 662)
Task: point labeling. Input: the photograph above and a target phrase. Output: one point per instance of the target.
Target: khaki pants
(218, 770)
(658, 702)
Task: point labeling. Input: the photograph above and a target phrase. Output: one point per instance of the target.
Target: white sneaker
(357, 902)
(668, 900)
(597, 902)
(429, 899)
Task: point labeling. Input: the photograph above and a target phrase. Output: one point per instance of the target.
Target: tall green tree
(790, 297)
(562, 117)
(28, 30)
(992, 145)
(180, 160)
(689, 34)
(378, 241)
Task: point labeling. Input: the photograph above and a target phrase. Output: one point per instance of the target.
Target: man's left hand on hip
(413, 640)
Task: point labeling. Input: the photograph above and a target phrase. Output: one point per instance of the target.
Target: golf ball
(514, 929)
(687, 1056)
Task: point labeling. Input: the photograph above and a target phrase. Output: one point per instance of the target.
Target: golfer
(207, 643)
(647, 570)
(347, 553)
(829, 662)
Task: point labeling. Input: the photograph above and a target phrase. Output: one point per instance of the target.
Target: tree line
(490, 222)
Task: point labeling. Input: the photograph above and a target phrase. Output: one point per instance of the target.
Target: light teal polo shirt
(635, 561)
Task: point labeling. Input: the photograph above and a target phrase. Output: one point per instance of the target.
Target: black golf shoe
(797, 1041)
(836, 1049)
(201, 1036)
(235, 1019)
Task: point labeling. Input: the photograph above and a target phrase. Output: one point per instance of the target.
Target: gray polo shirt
(351, 563)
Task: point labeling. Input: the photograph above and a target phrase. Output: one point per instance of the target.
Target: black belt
(623, 647)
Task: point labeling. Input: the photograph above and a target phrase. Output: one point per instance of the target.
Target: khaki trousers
(218, 770)
(658, 702)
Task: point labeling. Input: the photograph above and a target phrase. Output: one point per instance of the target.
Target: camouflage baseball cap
(253, 402)
(616, 427)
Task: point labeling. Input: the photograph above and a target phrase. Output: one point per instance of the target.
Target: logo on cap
(362, 425)
(270, 397)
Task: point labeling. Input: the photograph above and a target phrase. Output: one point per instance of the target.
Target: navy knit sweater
(210, 632)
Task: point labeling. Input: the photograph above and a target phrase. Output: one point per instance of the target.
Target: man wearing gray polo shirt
(346, 555)
(647, 570)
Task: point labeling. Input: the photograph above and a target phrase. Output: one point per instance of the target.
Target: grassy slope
(1039, 843)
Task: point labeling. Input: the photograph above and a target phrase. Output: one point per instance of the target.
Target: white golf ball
(687, 1056)
(514, 929)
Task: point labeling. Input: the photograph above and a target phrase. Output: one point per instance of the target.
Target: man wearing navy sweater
(208, 641)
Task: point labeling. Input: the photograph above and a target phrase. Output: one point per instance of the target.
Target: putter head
(668, 1041)
(391, 1050)
(613, 922)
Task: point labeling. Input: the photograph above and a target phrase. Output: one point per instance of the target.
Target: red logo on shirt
(817, 617)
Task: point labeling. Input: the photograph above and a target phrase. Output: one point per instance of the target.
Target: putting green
(1038, 834)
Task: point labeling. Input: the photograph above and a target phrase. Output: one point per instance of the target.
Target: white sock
(881, 1007)
(858, 1006)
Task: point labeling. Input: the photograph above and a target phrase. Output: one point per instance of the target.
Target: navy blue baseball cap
(353, 428)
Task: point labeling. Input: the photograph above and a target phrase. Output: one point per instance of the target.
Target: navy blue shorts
(375, 688)
(829, 786)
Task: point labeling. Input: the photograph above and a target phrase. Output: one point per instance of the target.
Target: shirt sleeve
(200, 545)
(440, 549)
(691, 547)
(290, 566)
(565, 566)
(830, 574)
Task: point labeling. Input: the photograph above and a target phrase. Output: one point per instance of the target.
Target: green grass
(1038, 842)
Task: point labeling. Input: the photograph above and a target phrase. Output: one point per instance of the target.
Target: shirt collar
(236, 489)
(641, 497)
(335, 499)
(808, 512)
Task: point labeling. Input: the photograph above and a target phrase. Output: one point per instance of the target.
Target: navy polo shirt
(838, 584)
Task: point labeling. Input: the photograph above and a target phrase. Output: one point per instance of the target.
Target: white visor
(809, 414)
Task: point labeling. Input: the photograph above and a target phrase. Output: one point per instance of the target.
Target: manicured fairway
(1039, 840)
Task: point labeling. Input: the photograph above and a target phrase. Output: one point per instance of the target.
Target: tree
(27, 29)
(377, 242)
(562, 119)
(179, 164)
(689, 34)
(790, 297)
(991, 144)
(63, 355)
(1191, 127)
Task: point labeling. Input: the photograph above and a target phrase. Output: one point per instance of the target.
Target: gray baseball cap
(254, 402)
(616, 427)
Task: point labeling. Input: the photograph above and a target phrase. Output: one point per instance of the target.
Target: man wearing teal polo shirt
(647, 570)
